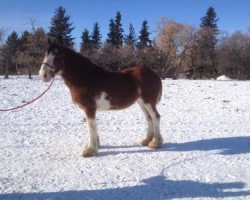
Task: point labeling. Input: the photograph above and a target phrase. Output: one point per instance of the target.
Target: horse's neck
(78, 71)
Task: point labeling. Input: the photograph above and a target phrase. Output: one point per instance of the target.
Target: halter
(53, 69)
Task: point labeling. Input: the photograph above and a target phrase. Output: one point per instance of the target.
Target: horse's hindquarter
(148, 82)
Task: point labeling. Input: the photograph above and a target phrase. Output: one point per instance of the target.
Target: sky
(16, 15)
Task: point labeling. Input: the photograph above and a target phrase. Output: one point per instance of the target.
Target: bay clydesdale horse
(93, 88)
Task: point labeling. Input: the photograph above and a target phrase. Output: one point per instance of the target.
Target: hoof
(155, 143)
(146, 141)
(89, 152)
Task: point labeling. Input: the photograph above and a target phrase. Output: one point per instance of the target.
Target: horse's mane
(75, 54)
(79, 64)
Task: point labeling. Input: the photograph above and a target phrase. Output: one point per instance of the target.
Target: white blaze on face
(45, 70)
(102, 103)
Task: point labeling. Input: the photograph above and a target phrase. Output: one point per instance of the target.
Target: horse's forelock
(53, 49)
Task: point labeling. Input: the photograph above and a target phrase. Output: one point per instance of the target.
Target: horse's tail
(160, 94)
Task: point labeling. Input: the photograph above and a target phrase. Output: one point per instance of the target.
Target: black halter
(53, 69)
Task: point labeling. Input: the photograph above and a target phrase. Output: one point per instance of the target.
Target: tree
(86, 42)
(130, 39)
(23, 47)
(111, 35)
(174, 40)
(234, 56)
(203, 55)
(118, 30)
(153, 58)
(32, 53)
(96, 36)
(209, 22)
(115, 35)
(2, 32)
(61, 28)
(24, 39)
(144, 40)
(210, 19)
(9, 52)
(206, 44)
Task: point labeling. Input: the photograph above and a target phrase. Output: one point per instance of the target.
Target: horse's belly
(121, 102)
(115, 101)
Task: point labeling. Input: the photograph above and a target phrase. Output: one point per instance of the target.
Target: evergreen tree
(96, 36)
(61, 28)
(209, 23)
(86, 41)
(144, 40)
(130, 39)
(9, 52)
(118, 30)
(115, 35)
(207, 41)
(111, 34)
(209, 20)
(24, 40)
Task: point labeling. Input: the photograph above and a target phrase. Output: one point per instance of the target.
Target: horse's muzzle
(46, 73)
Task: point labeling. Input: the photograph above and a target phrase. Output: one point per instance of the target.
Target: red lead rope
(28, 102)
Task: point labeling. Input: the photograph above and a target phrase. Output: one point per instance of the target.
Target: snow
(223, 78)
(206, 152)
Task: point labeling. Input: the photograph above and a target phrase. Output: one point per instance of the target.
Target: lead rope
(28, 102)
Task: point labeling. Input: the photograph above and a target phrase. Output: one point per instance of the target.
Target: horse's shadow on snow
(154, 188)
(158, 187)
(224, 146)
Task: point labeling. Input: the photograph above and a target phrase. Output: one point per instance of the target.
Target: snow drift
(223, 78)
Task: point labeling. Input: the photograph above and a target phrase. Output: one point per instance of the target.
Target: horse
(94, 89)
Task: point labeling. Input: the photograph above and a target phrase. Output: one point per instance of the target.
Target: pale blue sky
(16, 14)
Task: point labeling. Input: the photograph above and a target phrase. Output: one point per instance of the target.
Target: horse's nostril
(45, 76)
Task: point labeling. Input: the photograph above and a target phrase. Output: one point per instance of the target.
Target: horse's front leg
(91, 149)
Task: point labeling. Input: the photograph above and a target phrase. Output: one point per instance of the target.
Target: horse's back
(148, 82)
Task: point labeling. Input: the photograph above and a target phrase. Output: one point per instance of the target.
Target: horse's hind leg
(157, 140)
(150, 131)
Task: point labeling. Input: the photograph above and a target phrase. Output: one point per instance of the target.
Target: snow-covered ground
(206, 151)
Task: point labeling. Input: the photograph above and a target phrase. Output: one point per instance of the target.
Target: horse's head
(53, 61)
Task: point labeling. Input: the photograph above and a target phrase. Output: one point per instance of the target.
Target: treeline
(177, 50)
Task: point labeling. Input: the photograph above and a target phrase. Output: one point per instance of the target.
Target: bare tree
(234, 56)
(113, 59)
(152, 58)
(32, 56)
(202, 55)
(174, 40)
